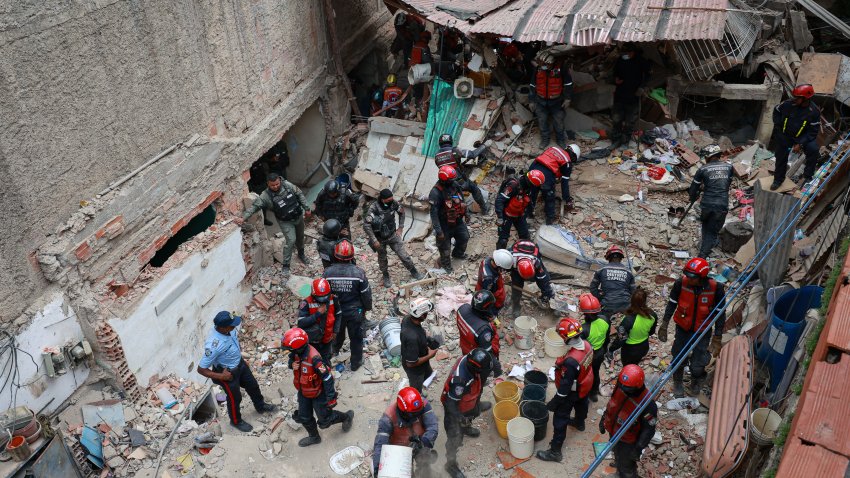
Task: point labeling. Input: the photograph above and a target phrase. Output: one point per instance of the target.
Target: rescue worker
(490, 277)
(351, 287)
(449, 155)
(420, 54)
(613, 283)
(410, 421)
(573, 379)
(796, 124)
(392, 96)
(555, 164)
(627, 395)
(223, 364)
(315, 384)
(512, 62)
(318, 315)
(336, 202)
(407, 30)
(380, 227)
(551, 90)
(449, 217)
(692, 299)
(714, 179)
(634, 331)
(461, 399)
(528, 264)
(290, 207)
(325, 244)
(512, 204)
(417, 349)
(631, 73)
(595, 331)
(476, 328)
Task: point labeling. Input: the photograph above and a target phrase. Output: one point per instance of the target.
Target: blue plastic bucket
(786, 326)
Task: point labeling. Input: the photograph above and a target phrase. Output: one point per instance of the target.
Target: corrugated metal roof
(693, 20)
(506, 21)
(809, 458)
(548, 21)
(639, 23)
(593, 22)
(823, 418)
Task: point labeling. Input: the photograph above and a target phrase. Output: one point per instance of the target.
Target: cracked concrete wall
(89, 91)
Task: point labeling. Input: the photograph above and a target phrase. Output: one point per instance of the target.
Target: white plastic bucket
(521, 437)
(763, 425)
(165, 396)
(391, 333)
(396, 462)
(419, 74)
(553, 344)
(524, 327)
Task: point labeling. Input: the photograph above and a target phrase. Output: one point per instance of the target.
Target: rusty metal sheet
(639, 22)
(727, 436)
(548, 21)
(693, 20)
(820, 70)
(823, 418)
(805, 458)
(593, 22)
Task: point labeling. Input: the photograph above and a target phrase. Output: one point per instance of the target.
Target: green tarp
(447, 114)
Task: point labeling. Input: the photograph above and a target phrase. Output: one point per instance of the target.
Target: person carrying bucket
(634, 331)
(628, 393)
(573, 379)
(476, 328)
(410, 421)
(461, 399)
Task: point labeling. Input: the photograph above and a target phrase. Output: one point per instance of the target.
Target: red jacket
(308, 373)
(554, 158)
(584, 359)
(619, 408)
(491, 280)
(463, 386)
(692, 309)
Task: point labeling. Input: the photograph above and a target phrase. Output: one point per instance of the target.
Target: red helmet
(589, 304)
(343, 250)
(321, 289)
(631, 380)
(409, 400)
(697, 268)
(614, 249)
(525, 267)
(568, 328)
(803, 91)
(294, 339)
(447, 173)
(536, 178)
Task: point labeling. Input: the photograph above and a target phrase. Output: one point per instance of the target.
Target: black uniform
(307, 406)
(452, 156)
(414, 345)
(511, 189)
(613, 285)
(714, 179)
(325, 247)
(449, 223)
(314, 325)
(460, 385)
(351, 287)
(632, 74)
(792, 125)
(567, 399)
(380, 226)
(340, 208)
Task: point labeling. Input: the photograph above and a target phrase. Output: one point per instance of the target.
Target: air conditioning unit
(464, 88)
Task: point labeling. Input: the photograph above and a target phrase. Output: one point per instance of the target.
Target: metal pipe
(137, 170)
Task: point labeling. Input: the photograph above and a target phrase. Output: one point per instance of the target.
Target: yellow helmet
(390, 79)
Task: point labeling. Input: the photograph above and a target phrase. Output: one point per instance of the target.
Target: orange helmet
(525, 268)
(321, 290)
(447, 173)
(409, 400)
(697, 268)
(343, 250)
(632, 376)
(294, 339)
(803, 91)
(589, 304)
(536, 178)
(568, 328)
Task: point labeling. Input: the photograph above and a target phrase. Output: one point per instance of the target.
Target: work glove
(602, 425)
(555, 403)
(716, 345)
(416, 444)
(332, 403)
(662, 332)
(497, 371)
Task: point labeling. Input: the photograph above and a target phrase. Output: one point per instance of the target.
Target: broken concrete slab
(396, 127)
(576, 121)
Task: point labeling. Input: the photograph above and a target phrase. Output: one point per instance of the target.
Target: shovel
(678, 223)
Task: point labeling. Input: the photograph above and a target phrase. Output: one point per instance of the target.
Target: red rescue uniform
(308, 373)
(693, 309)
(554, 158)
(619, 408)
(471, 384)
(549, 84)
(330, 317)
(584, 358)
(401, 435)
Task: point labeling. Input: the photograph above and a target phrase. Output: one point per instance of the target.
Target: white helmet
(503, 258)
(420, 306)
(576, 150)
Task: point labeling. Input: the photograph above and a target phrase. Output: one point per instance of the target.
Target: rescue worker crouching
(461, 399)
(573, 379)
(634, 330)
(596, 332)
(350, 285)
(556, 164)
(449, 155)
(409, 421)
(336, 202)
(449, 217)
(528, 264)
(326, 243)
(318, 315)
(476, 329)
(380, 228)
(796, 124)
(613, 283)
(628, 393)
(490, 277)
(512, 203)
(315, 385)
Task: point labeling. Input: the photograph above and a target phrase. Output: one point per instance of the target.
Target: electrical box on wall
(58, 359)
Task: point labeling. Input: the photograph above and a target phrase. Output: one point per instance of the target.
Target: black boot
(578, 425)
(349, 419)
(312, 437)
(453, 470)
(387, 281)
(552, 454)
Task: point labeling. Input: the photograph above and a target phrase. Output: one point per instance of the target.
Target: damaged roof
(581, 22)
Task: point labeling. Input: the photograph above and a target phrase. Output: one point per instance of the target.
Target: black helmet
(478, 360)
(446, 140)
(331, 228)
(483, 300)
(332, 187)
(400, 19)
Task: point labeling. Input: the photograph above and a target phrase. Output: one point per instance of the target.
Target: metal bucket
(391, 334)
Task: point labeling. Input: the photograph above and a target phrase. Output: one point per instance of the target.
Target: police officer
(613, 283)
(380, 227)
(336, 202)
(318, 315)
(326, 243)
(528, 264)
(627, 395)
(796, 124)
(573, 379)
(714, 179)
(350, 285)
(223, 364)
(692, 299)
(551, 89)
(490, 277)
(449, 216)
(290, 207)
(449, 155)
(556, 164)
(595, 331)
(634, 330)
(461, 399)
(417, 349)
(475, 324)
(315, 384)
(511, 205)
(410, 421)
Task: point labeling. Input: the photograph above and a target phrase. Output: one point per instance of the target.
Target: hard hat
(576, 151)
(331, 187)
(536, 178)
(391, 79)
(696, 268)
(420, 306)
(482, 300)
(525, 268)
(803, 91)
(447, 173)
(400, 19)
(343, 250)
(331, 228)
(632, 376)
(503, 259)
(614, 249)
(568, 328)
(294, 339)
(446, 140)
(589, 304)
(321, 290)
(477, 360)
(409, 400)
